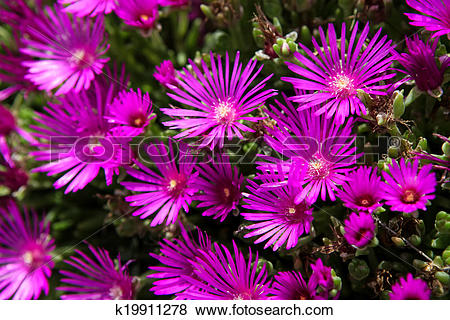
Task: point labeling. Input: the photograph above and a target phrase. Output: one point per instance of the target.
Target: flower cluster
(245, 174)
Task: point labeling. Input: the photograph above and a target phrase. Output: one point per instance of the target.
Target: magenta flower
(362, 191)
(407, 187)
(142, 14)
(420, 64)
(168, 189)
(434, 17)
(290, 285)
(321, 275)
(90, 8)
(277, 218)
(25, 254)
(176, 259)
(219, 276)
(219, 103)
(313, 146)
(76, 138)
(68, 51)
(12, 71)
(331, 78)
(359, 229)
(132, 111)
(173, 3)
(220, 184)
(165, 74)
(98, 278)
(7, 121)
(11, 176)
(410, 289)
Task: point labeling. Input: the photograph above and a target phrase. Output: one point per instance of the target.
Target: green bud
(446, 253)
(398, 241)
(261, 56)
(440, 242)
(363, 128)
(422, 144)
(337, 283)
(358, 269)
(379, 210)
(333, 293)
(441, 215)
(207, 11)
(393, 152)
(381, 118)
(258, 37)
(415, 240)
(438, 261)
(374, 242)
(446, 149)
(277, 25)
(292, 36)
(412, 95)
(285, 49)
(443, 277)
(399, 105)
(419, 264)
(305, 35)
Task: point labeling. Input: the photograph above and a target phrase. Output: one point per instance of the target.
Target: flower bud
(443, 277)
(381, 118)
(446, 149)
(398, 241)
(399, 105)
(415, 240)
(305, 35)
(393, 152)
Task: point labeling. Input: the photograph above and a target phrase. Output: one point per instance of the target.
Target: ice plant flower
(332, 77)
(359, 229)
(132, 111)
(98, 277)
(75, 138)
(220, 185)
(276, 217)
(410, 289)
(290, 285)
(362, 191)
(313, 143)
(142, 14)
(220, 276)
(420, 64)
(434, 17)
(68, 51)
(175, 257)
(166, 190)
(165, 74)
(25, 254)
(321, 275)
(407, 187)
(219, 102)
(11, 176)
(13, 72)
(90, 8)
(7, 121)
